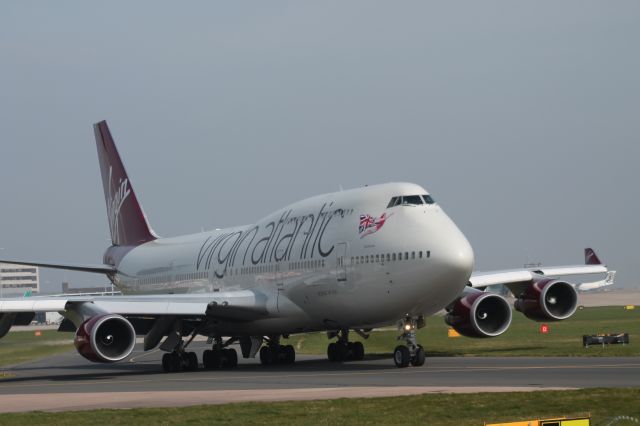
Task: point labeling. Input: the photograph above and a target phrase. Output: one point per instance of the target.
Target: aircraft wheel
(176, 362)
(192, 361)
(358, 351)
(167, 366)
(266, 356)
(211, 359)
(332, 352)
(342, 352)
(289, 354)
(401, 356)
(419, 358)
(230, 358)
(206, 359)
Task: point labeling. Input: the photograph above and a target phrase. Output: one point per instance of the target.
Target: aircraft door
(341, 262)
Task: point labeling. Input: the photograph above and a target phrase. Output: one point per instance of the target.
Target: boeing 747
(353, 260)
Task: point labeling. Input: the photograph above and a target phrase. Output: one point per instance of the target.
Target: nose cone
(453, 257)
(457, 258)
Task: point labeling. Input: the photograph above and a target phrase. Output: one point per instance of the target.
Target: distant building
(67, 289)
(16, 280)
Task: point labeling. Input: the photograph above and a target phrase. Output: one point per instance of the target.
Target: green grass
(521, 339)
(21, 346)
(432, 409)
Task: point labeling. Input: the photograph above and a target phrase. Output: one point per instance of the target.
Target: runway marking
(269, 376)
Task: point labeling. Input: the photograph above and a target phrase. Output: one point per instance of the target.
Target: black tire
(289, 354)
(206, 359)
(401, 356)
(358, 351)
(176, 362)
(166, 363)
(192, 361)
(332, 352)
(349, 353)
(419, 358)
(211, 359)
(266, 356)
(230, 357)
(342, 351)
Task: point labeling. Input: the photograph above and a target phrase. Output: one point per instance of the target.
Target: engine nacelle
(479, 314)
(105, 338)
(547, 299)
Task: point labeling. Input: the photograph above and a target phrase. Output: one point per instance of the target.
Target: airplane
(353, 260)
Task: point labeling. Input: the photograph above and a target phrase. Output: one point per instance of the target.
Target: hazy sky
(521, 118)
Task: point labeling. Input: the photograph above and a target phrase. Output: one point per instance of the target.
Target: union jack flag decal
(370, 224)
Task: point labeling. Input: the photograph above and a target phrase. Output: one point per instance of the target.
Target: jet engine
(479, 314)
(547, 299)
(105, 338)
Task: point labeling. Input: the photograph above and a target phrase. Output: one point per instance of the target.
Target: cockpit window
(407, 200)
(428, 199)
(412, 200)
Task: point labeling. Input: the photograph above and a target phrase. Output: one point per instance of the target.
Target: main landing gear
(220, 356)
(179, 359)
(275, 353)
(411, 353)
(343, 349)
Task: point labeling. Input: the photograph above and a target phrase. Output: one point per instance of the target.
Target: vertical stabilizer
(127, 221)
(590, 257)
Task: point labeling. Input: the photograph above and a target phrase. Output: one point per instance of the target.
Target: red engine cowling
(547, 299)
(105, 338)
(479, 314)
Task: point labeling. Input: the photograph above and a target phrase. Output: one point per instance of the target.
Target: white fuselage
(336, 260)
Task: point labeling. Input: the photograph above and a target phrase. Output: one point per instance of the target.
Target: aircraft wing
(235, 306)
(100, 269)
(514, 278)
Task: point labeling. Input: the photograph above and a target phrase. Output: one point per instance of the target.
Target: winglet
(590, 257)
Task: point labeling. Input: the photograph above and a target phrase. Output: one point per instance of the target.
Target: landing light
(407, 327)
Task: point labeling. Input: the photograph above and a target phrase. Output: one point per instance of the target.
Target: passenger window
(413, 255)
(388, 257)
(394, 257)
(420, 254)
(406, 255)
(377, 258)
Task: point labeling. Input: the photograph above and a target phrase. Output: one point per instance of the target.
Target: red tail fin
(127, 222)
(590, 257)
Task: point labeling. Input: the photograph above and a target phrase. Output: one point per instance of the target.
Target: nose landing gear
(411, 353)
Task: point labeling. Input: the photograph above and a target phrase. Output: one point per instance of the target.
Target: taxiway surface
(70, 372)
